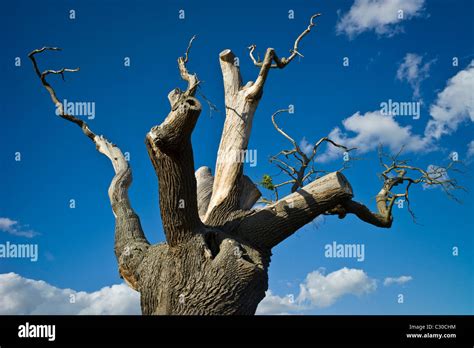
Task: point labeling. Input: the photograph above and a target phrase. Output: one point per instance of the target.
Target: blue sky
(58, 163)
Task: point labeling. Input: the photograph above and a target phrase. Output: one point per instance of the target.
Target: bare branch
(291, 171)
(271, 60)
(52, 93)
(130, 241)
(188, 49)
(333, 143)
(281, 130)
(362, 212)
(58, 72)
(192, 79)
(285, 183)
(398, 173)
(298, 175)
(281, 63)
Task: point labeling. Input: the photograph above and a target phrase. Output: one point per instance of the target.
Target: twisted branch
(398, 173)
(281, 63)
(130, 241)
(192, 79)
(254, 91)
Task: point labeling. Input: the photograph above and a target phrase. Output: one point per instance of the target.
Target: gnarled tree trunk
(217, 251)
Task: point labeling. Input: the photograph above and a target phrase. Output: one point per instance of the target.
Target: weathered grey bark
(217, 251)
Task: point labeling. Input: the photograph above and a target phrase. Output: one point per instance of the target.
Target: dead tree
(217, 251)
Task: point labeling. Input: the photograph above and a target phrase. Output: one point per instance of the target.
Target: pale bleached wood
(204, 181)
(241, 103)
(240, 111)
(269, 226)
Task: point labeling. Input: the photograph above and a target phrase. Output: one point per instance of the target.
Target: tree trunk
(212, 273)
(217, 251)
(225, 270)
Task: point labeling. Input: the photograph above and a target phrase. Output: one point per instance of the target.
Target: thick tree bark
(268, 227)
(169, 147)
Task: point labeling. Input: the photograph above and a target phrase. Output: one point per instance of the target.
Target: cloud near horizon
(23, 296)
(19, 295)
(318, 291)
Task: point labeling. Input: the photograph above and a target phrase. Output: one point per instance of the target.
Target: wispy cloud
(381, 16)
(19, 295)
(14, 228)
(470, 150)
(306, 146)
(398, 281)
(414, 71)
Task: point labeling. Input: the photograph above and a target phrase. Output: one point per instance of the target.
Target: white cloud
(273, 304)
(306, 146)
(319, 290)
(382, 16)
(413, 71)
(454, 104)
(20, 295)
(13, 227)
(470, 149)
(370, 130)
(323, 291)
(399, 281)
(6, 224)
